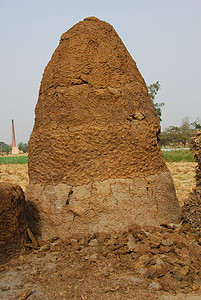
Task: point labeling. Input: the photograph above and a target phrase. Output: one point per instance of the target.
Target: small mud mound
(192, 207)
(12, 220)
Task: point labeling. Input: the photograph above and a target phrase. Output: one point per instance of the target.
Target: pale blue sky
(163, 37)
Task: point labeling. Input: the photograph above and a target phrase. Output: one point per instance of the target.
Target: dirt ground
(183, 174)
(142, 263)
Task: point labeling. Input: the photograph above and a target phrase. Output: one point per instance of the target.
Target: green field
(178, 155)
(5, 160)
(170, 156)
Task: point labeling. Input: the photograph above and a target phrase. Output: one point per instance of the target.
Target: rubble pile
(163, 259)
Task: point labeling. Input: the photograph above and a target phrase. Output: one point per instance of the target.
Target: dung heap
(95, 162)
(192, 206)
(13, 224)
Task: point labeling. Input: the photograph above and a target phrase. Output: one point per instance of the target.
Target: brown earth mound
(12, 220)
(192, 206)
(95, 162)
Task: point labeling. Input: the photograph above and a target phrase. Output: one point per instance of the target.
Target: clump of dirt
(13, 223)
(192, 207)
(143, 262)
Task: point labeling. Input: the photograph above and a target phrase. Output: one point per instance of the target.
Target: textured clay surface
(95, 124)
(12, 220)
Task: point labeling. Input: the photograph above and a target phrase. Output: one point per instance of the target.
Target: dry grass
(15, 174)
(182, 172)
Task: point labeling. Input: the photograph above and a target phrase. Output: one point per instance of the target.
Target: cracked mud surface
(183, 174)
(103, 206)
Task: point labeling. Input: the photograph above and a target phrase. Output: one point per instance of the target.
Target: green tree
(153, 90)
(23, 147)
(175, 136)
(186, 130)
(4, 148)
(196, 125)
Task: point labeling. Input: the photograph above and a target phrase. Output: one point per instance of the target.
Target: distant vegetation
(174, 136)
(23, 147)
(5, 149)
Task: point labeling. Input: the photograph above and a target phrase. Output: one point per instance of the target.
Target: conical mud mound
(95, 162)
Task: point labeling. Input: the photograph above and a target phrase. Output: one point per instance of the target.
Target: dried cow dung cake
(95, 162)
(12, 220)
